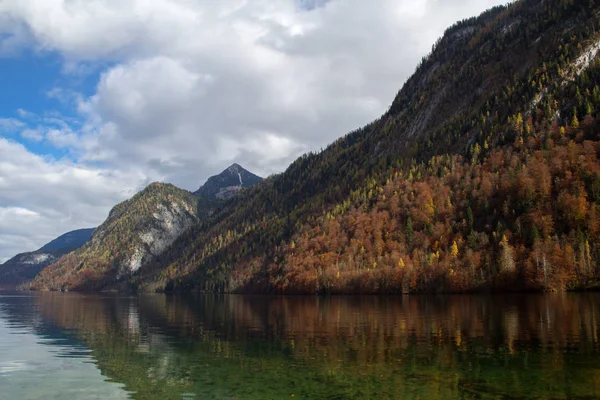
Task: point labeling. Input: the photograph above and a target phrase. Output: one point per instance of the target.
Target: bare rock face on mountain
(228, 183)
(25, 266)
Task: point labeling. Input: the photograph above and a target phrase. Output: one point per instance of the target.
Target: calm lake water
(73, 346)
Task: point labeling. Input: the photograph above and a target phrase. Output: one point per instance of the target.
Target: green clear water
(73, 346)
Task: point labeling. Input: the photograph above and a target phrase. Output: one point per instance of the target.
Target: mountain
(482, 175)
(132, 242)
(25, 266)
(136, 231)
(228, 183)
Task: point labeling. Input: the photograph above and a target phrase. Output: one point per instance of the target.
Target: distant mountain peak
(226, 184)
(25, 266)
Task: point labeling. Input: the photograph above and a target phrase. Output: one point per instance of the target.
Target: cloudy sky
(101, 97)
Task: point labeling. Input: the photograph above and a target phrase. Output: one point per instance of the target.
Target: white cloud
(62, 138)
(41, 198)
(10, 125)
(7, 212)
(28, 115)
(192, 86)
(33, 135)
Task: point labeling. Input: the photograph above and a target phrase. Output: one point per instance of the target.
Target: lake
(76, 346)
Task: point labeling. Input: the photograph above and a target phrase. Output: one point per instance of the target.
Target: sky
(101, 97)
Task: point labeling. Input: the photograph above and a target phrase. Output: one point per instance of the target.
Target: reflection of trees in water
(555, 320)
(154, 344)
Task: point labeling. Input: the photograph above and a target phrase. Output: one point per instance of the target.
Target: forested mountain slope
(482, 174)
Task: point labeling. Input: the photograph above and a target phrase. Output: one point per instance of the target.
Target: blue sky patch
(38, 96)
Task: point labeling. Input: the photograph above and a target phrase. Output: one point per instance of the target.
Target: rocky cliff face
(168, 222)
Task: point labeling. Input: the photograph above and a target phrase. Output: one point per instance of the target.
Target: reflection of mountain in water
(41, 360)
(19, 312)
(371, 347)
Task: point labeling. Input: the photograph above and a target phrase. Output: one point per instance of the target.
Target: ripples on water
(65, 345)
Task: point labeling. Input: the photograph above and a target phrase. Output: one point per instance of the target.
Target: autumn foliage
(520, 219)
